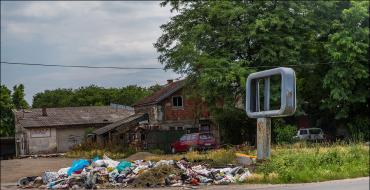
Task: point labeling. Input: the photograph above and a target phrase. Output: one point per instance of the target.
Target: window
(177, 101)
(205, 127)
(205, 136)
(180, 128)
(183, 138)
(303, 132)
(193, 137)
(315, 131)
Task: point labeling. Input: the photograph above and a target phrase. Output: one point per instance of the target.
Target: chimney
(169, 81)
(44, 113)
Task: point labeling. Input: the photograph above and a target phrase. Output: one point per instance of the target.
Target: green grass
(313, 163)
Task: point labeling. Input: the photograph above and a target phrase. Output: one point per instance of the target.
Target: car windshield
(184, 138)
(315, 131)
(205, 136)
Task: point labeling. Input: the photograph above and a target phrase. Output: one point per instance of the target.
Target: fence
(162, 139)
(7, 149)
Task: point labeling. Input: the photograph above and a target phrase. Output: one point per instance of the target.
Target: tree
(6, 106)
(348, 78)
(18, 97)
(91, 96)
(218, 43)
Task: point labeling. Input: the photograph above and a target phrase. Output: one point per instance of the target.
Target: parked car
(314, 134)
(194, 141)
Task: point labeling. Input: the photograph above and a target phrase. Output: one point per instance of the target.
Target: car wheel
(173, 150)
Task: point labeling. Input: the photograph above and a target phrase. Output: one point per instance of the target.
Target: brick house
(168, 110)
(50, 130)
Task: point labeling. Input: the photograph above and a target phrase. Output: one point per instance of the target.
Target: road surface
(346, 184)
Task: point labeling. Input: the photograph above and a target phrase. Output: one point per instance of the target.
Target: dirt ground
(12, 170)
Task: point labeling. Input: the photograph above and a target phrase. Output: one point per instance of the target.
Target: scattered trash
(77, 166)
(108, 173)
(244, 159)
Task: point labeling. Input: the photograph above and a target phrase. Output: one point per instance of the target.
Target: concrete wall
(53, 139)
(41, 140)
(69, 137)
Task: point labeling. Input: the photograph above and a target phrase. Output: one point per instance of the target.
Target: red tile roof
(161, 94)
(68, 116)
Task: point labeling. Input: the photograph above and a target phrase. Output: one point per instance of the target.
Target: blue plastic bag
(77, 165)
(123, 165)
(95, 159)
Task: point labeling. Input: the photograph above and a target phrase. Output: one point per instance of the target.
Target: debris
(77, 166)
(244, 159)
(108, 173)
(123, 165)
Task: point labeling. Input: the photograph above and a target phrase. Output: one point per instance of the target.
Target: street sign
(253, 104)
(288, 93)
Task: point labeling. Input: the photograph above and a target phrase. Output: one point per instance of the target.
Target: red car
(194, 141)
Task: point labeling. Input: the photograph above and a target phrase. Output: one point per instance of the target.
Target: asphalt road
(346, 184)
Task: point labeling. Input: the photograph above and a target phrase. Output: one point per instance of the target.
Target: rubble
(108, 173)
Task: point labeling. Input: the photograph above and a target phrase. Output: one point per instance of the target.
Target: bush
(284, 134)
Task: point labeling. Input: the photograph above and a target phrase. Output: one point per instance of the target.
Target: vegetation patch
(312, 163)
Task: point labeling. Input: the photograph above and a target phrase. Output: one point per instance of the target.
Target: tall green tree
(18, 97)
(348, 78)
(218, 43)
(6, 106)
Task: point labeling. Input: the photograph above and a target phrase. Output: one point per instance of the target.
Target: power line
(78, 66)
(149, 68)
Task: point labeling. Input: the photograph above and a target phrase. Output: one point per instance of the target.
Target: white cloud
(82, 33)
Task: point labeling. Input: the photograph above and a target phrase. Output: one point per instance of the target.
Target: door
(69, 137)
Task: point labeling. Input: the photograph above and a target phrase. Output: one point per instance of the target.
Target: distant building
(160, 119)
(50, 130)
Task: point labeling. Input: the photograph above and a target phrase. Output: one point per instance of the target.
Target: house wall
(69, 137)
(41, 140)
(190, 110)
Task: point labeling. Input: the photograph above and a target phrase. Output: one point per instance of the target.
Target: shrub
(284, 133)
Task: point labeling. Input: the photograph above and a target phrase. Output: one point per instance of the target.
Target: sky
(96, 33)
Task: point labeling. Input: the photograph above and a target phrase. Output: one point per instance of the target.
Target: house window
(177, 101)
(179, 128)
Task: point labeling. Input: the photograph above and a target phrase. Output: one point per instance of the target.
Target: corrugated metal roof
(68, 116)
(161, 94)
(110, 127)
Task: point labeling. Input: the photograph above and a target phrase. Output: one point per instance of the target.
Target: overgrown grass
(220, 157)
(90, 150)
(312, 163)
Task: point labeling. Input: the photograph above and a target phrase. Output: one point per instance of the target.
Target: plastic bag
(95, 159)
(49, 177)
(123, 165)
(77, 165)
(63, 171)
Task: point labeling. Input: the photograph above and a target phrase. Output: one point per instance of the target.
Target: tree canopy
(218, 43)
(91, 96)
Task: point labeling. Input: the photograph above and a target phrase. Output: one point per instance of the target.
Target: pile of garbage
(108, 173)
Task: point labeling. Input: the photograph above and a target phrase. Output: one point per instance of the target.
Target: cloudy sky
(81, 33)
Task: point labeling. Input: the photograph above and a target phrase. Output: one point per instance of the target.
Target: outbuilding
(52, 130)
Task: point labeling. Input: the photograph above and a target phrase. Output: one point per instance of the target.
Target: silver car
(309, 134)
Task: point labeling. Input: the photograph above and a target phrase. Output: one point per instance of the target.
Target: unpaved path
(12, 170)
